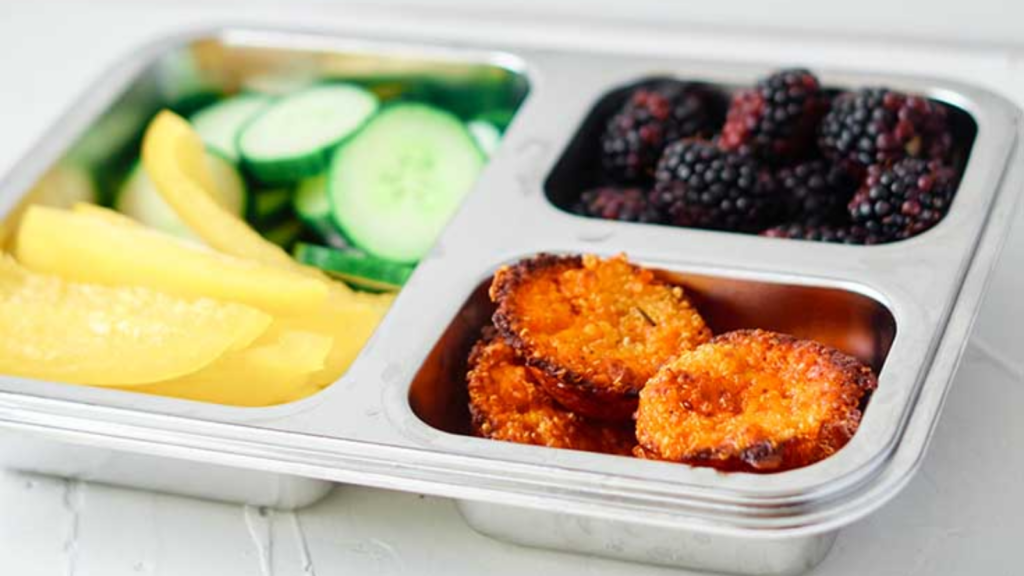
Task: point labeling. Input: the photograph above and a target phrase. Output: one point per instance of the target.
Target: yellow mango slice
(87, 248)
(139, 198)
(348, 318)
(175, 159)
(261, 375)
(65, 184)
(51, 329)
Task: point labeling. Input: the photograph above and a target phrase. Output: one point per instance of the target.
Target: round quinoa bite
(753, 401)
(599, 328)
(507, 403)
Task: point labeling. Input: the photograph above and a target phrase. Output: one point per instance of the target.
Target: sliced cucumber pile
(293, 138)
(355, 267)
(219, 124)
(322, 168)
(139, 199)
(396, 184)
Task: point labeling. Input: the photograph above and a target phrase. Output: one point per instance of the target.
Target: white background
(963, 513)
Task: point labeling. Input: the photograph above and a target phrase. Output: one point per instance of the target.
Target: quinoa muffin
(599, 328)
(507, 403)
(753, 400)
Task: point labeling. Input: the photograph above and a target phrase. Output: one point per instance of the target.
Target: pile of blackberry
(788, 160)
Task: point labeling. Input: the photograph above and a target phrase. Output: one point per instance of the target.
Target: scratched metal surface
(961, 514)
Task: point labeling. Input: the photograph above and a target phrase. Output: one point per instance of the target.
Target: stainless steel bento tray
(393, 420)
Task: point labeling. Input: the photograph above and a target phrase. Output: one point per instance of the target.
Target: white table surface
(962, 514)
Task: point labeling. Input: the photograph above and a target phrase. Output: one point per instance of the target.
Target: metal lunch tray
(396, 419)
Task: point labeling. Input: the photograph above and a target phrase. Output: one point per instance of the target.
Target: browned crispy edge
(506, 281)
(764, 456)
(477, 419)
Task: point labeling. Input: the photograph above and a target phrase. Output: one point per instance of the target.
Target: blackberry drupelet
(815, 192)
(699, 184)
(654, 116)
(878, 125)
(616, 203)
(836, 233)
(904, 199)
(777, 119)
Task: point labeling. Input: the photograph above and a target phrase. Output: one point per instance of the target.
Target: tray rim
(12, 404)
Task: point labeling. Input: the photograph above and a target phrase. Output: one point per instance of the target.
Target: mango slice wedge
(349, 319)
(84, 247)
(175, 158)
(55, 330)
(261, 375)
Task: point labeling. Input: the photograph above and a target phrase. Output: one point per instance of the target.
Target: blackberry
(815, 192)
(836, 233)
(777, 119)
(878, 126)
(654, 116)
(904, 199)
(699, 184)
(614, 203)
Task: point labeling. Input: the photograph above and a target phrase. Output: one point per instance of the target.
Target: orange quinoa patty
(600, 328)
(506, 403)
(753, 400)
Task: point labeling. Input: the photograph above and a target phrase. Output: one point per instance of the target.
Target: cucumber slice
(396, 184)
(313, 207)
(293, 138)
(357, 268)
(486, 135)
(310, 201)
(139, 199)
(218, 125)
(271, 206)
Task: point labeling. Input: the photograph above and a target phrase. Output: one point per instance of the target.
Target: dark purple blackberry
(654, 116)
(836, 233)
(777, 119)
(904, 199)
(879, 126)
(815, 192)
(699, 184)
(614, 203)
